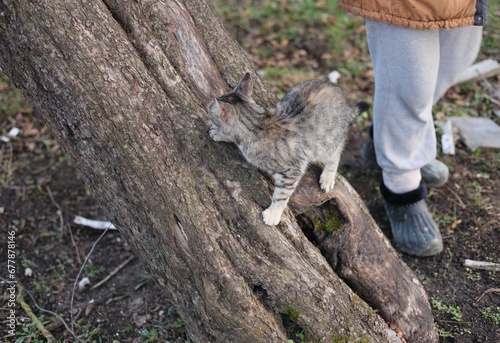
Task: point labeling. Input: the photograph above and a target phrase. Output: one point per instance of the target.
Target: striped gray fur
(309, 125)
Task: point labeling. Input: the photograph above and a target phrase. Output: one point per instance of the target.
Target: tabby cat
(308, 126)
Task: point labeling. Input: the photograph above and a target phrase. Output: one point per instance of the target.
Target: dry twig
(116, 270)
(77, 251)
(491, 290)
(80, 272)
(59, 211)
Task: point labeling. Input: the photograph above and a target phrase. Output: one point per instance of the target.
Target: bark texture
(124, 87)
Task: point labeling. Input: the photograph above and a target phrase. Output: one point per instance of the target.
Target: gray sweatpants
(413, 69)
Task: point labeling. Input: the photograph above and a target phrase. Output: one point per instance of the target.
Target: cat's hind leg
(284, 186)
(327, 178)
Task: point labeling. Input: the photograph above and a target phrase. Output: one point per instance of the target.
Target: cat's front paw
(216, 135)
(272, 216)
(327, 181)
(213, 135)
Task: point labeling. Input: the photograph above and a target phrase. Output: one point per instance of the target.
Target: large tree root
(357, 249)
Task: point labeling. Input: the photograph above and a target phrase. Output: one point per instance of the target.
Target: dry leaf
(455, 224)
(89, 309)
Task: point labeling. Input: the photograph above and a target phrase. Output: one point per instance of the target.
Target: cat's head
(225, 113)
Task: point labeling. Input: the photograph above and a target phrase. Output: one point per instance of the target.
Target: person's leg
(406, 65)
(458, 49)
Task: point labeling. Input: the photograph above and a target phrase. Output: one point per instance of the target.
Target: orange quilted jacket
(420, 14)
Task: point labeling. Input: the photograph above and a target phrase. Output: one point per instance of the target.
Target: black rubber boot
(434, 174)
(413, 229)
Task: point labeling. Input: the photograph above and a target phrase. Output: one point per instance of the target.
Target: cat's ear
(214, 108)
(245, 87)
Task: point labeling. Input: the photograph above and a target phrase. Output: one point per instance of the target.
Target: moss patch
(329, 220)
(329, 224)
(291, 313)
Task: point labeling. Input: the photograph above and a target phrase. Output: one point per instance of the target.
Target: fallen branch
(116, 270)
(481, 265)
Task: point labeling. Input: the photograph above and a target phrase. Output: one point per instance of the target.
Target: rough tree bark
(124, 86)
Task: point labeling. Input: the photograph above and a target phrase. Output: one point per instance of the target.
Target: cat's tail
(361, 107)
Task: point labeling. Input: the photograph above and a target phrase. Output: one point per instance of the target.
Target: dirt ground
(41, 194)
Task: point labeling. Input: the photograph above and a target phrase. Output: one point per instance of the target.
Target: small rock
(83, 283)
(334, 77)
(139, 320)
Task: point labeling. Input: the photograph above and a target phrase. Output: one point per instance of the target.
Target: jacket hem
(407, 22)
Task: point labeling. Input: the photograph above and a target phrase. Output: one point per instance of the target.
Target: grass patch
(492, 313)
(272, 30)
(91, 271)
(26, 331)
(285, 22)
(177, 324)
(454, 312)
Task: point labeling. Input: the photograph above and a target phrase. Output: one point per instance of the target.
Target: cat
(309, 125)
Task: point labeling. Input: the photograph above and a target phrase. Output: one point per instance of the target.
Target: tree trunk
(124, 87)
